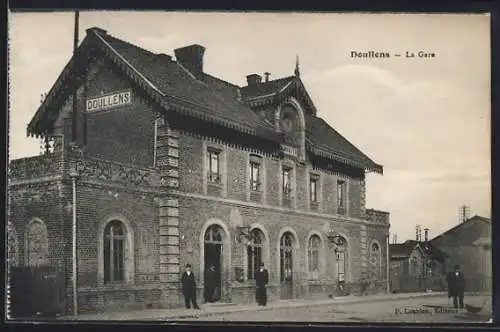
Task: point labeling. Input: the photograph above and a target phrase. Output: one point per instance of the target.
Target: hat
(457, 267)
(261, 264)
(188, 265)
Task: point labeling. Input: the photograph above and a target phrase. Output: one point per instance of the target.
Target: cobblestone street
(417, 310)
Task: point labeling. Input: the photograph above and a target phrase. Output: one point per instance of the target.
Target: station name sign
(109, 101)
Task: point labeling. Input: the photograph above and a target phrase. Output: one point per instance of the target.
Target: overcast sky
(427, 121)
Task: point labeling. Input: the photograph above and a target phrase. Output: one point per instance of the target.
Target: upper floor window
(255, 176)
(214, 169)
(341, 199)
(313, 189)
(287, 182)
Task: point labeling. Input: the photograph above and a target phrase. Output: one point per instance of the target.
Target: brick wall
(96, 205)
(125, 134)
(195, 212)
(191, 177)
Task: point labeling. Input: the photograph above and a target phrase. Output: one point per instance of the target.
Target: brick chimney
(254, 79)
(266, 74)
(191, 58)
(426, 234)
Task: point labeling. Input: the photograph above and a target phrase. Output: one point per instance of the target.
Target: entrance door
(286, 266)
(213, 263)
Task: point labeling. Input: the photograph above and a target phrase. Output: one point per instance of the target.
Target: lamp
(335, 239)
(243, 234)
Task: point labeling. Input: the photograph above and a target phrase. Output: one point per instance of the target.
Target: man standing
(189, 287)
(210, 285)
(261, 280)
(456, 285)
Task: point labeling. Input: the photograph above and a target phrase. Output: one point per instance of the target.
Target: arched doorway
(213, 253)
(286, 266)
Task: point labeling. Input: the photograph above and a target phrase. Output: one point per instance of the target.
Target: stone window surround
(129, 250)
(347, 251)
(26, 241)
(288, 164)
(379, 258)
(345, 181)
(206, 146)
(260, 159)
(265, 251)
(297, 269)
(322, 256)
(314, 174)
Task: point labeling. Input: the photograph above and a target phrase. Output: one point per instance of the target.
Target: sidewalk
(223, 308)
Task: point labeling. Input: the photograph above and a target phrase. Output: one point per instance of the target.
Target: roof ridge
(222, 81)
(128, 43)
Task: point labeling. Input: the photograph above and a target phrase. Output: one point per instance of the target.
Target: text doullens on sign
(108, 101)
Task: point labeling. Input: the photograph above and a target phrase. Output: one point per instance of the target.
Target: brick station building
(171, 165)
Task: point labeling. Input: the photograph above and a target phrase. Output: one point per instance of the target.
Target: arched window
(37, 244)
(375, 260)
(214, 234)
(114, 251)
(313, 256)
(254, 252)
(341, 255)
(12, 253)
(286, 257)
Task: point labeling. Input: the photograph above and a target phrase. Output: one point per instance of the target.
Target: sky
(426, 120)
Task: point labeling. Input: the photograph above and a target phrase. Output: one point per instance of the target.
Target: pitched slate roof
(216, 98)
(169, 82)
(264, 89)
(404, 250)
(211, 98)
(324, 140)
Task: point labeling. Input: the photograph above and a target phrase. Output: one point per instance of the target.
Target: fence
(417, 284)
(36, 291)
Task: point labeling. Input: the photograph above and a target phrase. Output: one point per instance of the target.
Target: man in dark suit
(189, 287)
(456, 286)
(261, 280)
(210, 285)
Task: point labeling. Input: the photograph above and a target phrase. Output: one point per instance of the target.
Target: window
(255, 176)
(341, 263)
(254, 252)
(286, 257)
(287, 182)
(313, 189)
(313, 256)
(214, 166)
(375, 260)
(37, 244)
(114, 252)
(341, 196)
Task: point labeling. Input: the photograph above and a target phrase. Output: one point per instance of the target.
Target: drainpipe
(73, 174)
(387, 264)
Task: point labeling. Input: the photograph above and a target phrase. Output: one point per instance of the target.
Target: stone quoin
(173, 166)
